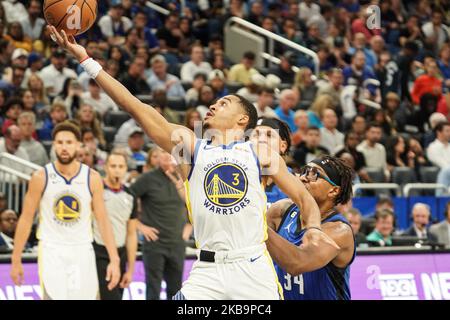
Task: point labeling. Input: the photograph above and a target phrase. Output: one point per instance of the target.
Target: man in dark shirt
(163, 223)
(309, 149)
(134, 79)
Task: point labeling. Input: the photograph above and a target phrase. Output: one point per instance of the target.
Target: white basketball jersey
(65, 213)
(225, 198)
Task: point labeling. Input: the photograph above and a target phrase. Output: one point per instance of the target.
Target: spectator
(411, 32)
(359, 43)
(288, 100)
(310, 148)
(216, 79)
(35, 151)
(33, 24)
(29, 104)
(351, 141)
(85, 156)
(170, 35)
(136, 155)
(379, 117)
(421, 215)
(193, 120)
(161, 104)
(319, 105)
(161, 80)
(12, 109)
(195, 65)
(14, 10)
(306, 87)
(36, 86)
(55, 75)
(14, 85)
(58, 114)
(243, 71)
(284, 69)
(206, 97)
(427, 83)
(18, 58)
(164, 228)
(443, 106)
(438, 152)
(145, 34)
(354, 217)
(398, 154)
(384, 226)
(95, 97)
(114, 25)
(191, 96)
(331, 138)
(134, 79)
(153, 156)
(374, 152)
(441, 231)
(333, 87)
(8, 225)
(87, 118)
(10, 144)
(386, 71)
(393, 111)
(256, 12)
(252, 88)
(313, 39)
(90, 141)
(16, 35)
(71, 96)
(361, 24)
(264, 104)
(359, 126)
(420, 158)
(359, 74)
(444, 64)
(302, 123)
(435, 31)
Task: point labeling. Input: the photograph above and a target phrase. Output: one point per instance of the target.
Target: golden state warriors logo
(67, 208)
(225, 184)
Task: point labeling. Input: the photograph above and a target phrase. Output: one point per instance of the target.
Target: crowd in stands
(380, 99)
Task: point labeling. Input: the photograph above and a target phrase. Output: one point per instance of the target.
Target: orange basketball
(72, 16)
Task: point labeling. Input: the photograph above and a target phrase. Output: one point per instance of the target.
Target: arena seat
(115, 118)
(233, 87)
(109, 133)
(403, 175)
(177, 104)
(429, 174)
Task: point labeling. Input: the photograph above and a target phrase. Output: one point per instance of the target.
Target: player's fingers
(108, 274)
(65, 38)
(155, 230)
(56, 35)
(147, 237)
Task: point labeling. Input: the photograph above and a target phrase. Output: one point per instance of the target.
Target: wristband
(91, 67)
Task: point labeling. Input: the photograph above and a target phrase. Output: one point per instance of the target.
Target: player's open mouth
(209, 114)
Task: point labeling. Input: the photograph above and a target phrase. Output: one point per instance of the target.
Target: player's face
(318, 186)
(66, 146)
(116, 168)
(269, 136)
(225, 113)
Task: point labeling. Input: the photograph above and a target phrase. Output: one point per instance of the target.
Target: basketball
(72, 16)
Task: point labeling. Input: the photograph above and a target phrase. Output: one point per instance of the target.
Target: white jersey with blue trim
(225, 197)
(65, 212)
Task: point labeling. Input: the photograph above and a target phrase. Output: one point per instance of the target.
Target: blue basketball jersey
(327, 283)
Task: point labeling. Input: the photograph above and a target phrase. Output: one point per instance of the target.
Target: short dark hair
(250, 110)
(12, 102)
(440, 126)
(67, 126)
(385, 199)
(373, 125)
(383, 214)
(346, 174)
(249, 55)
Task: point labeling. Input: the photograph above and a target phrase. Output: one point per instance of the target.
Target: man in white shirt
(98, 99)
(331, 138)
(307, 9)
(35, 150)
(421, 218)
(264, 104)
(374, 152)
(161, 80)
(55, 74)
(435, 31)
(115, 25)
(32, 24)
(14, 10)
(8, 224)
(195, 65)
(11, 144)
(438, 152)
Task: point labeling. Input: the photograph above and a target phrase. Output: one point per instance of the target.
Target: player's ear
(334, 192)
(243, 120)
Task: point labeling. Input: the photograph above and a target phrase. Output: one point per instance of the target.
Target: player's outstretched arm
(30, 206)
(105, 228)
(163, 133)
(275, 167)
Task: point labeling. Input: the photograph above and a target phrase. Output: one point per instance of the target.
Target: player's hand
(126, 279)
(113, 274)
(150, 233)
(68, 43)
(17, 273)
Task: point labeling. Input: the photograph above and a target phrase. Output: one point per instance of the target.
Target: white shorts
(68, 272)
(251, 278)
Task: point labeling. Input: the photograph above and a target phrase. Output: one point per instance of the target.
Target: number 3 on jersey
(297, 280)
